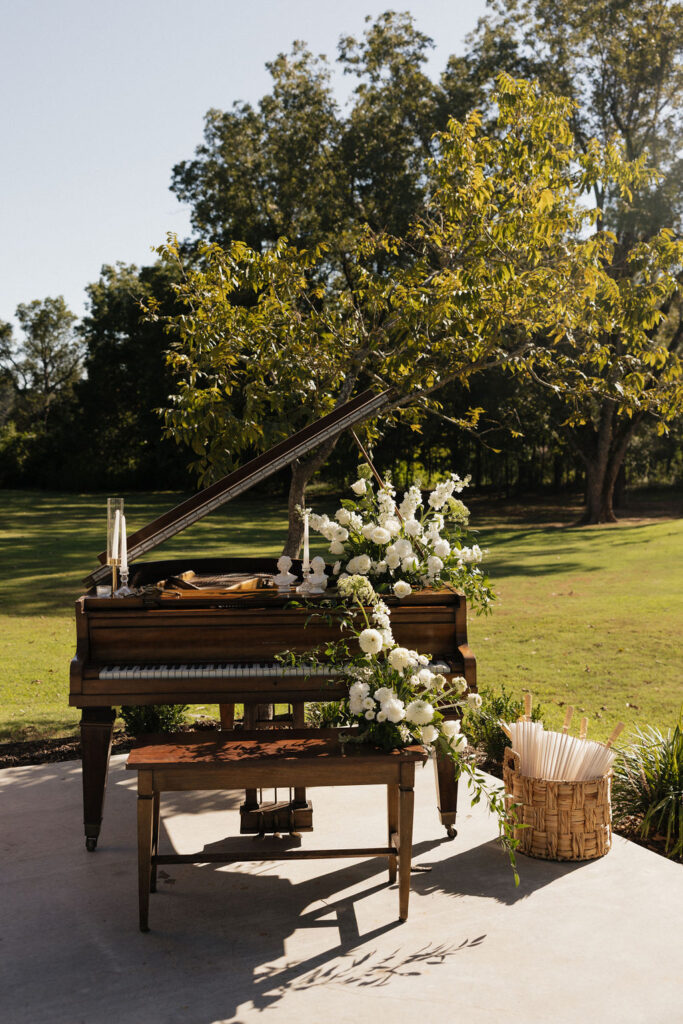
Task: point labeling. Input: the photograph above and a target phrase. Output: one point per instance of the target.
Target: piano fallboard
(187, 626)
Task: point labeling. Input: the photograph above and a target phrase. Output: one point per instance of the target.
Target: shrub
(648, 785)
(325, 714)
(481, 727)
(141, 718)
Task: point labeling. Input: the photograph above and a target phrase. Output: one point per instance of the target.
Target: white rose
(363, 564)
(368, 530)
(403, 548)
(392, 524)
(434, 565)
(392, 560)
(413, 528)
(402, 589)
(428, 733)
(343, 516)
(410, 563)
(459, 684)
(419, 712)
(355, 706)
(442, 548)
(336, 548)
(474, 700)
(371, 641)
(381, 716)
(360, 487)
(369, 715)
(369, 703)
(451, 727)
(380, 536)
(360, 690)
(384, 693)
(380, 567)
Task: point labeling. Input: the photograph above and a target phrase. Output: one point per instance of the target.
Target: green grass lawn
(589, 617)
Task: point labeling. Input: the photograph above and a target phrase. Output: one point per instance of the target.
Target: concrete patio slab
(320, 940)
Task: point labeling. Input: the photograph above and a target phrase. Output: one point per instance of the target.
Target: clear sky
(100, 99)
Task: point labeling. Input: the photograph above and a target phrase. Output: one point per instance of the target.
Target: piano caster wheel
(90, 844)
(451, 832)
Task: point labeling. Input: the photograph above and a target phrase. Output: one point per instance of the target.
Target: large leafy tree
(44, 364)
(119, 436)
(621, 64)
(501, 272)
(295, 165)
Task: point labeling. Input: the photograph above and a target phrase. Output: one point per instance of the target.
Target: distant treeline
(79, 401)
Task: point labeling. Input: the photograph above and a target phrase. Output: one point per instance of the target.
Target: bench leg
(406, 804)
(145, 831)
(392, 826)
(155, 839)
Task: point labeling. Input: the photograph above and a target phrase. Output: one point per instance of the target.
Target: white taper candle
(124, 546)
(305, 566)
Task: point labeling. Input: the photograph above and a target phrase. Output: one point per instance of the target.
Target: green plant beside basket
(483, 727)
(648, 785)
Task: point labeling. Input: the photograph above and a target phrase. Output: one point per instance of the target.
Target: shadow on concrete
(482, 871)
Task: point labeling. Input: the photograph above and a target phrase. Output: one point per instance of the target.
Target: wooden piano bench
(304, 757)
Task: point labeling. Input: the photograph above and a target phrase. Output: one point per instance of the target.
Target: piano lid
(195, 508)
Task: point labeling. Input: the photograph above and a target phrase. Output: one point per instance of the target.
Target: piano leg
(96, 732)
(446, 793)
(227, 713)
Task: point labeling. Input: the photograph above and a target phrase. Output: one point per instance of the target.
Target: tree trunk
(599, 495)
(301, 475)
(603, 464)
(297, 497)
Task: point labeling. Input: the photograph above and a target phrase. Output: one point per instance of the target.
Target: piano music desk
(246, 760)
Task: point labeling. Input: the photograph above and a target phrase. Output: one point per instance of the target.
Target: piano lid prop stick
(527, 706)
(567, 719)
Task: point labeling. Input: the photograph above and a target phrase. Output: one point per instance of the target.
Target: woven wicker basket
(566, 820)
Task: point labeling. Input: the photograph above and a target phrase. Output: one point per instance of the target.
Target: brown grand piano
(208, 631)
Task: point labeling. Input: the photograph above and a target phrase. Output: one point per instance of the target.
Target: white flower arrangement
(396, 697)
(413, 544)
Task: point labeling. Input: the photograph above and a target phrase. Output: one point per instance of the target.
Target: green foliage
(482, 728)
(296, 165)
(143, 718)
(44, 365)
(648, 785)
(125, 369)
(501, 272)
(621, 65)
(325, 714)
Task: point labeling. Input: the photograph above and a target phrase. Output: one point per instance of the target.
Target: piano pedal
(277, 819)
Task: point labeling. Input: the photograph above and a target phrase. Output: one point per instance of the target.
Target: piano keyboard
(204, 670)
